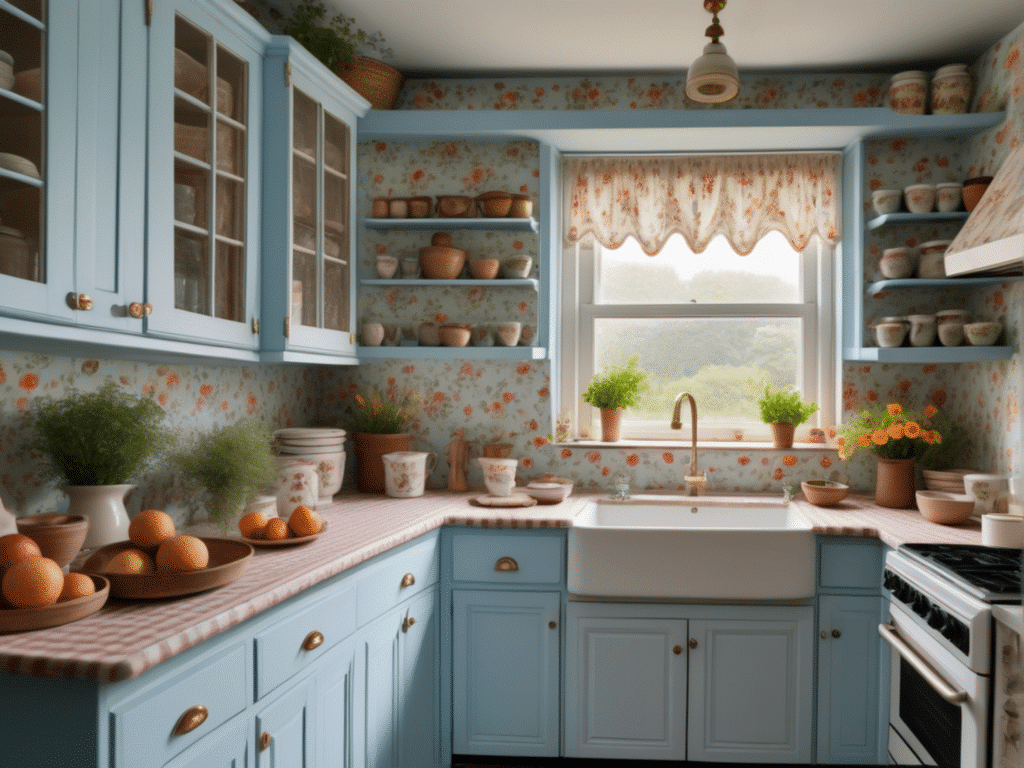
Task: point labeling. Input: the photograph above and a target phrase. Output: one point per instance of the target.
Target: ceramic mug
(499, 475)
(990, 492)
(405, 473)
(297, 484)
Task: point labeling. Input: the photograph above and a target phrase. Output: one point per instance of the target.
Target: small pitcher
(297, 484)
(405, 473)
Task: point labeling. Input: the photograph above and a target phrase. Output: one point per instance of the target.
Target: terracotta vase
(894, 486)
(611, 422)
(782, 434)
(370, 447)
(103, 506)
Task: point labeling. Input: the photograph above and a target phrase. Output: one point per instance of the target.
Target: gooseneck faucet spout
(694, 481)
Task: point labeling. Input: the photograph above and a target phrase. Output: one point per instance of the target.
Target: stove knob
(920, 605)
(936, 618)
(890, 581)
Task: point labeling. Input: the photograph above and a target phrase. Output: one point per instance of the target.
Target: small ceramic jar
(891, 334)
(886, 200)
(392, 336)
(897, 263)
(386, 266)
(950, 333)
(888, 321)
(419, 207)
(508, 333)
(372, 334)
(951, 316)
(908, 92)
(982, 334)
(948, 196)
(973, 191)
(919, 198)
(932, 263)
(922, 330)
(428, 335)
(526, 336)
(517, 266)
(379, 208)
(398, 208)
(410, 267)
(951, 90)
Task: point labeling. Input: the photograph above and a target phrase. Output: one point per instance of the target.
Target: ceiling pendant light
(713, 77)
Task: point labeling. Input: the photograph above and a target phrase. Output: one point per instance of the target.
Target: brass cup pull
(313, 640)
(264, 741)
(407, 622)
(677, 649)
(506, 564)
(80, 301)
(190, 719)
(693, 643)
(836, 634)
(407, 581)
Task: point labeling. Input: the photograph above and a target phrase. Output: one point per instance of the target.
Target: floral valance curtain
(743, 197)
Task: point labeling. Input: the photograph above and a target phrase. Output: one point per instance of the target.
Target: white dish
(289, 433)
(18, 164)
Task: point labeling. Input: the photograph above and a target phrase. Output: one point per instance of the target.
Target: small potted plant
(229, 466)
(337, 42)
(614, 390)
(378, 422)
(95, 442)
(783, 409)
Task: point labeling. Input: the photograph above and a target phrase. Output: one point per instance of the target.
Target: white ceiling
(449, 38)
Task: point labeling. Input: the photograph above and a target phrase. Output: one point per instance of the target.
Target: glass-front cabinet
(203, 235)
(308, 286)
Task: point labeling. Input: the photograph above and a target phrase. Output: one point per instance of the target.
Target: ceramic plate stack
(18, 164)
(6, 70)
(950, 481)
(320, 445)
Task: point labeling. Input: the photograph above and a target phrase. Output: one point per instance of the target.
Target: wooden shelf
(370, 354)
(523, 282)
(927, 354)
(429, 224)
(941, 283)
(915, 218)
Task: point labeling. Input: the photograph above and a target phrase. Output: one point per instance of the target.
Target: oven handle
(941, 687)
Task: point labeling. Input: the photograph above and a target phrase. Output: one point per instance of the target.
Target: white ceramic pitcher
(405, 473)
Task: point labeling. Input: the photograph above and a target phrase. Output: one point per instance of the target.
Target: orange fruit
(131, 561)
(15, 547)
(150, 527)
(76, 585)
(182, 553)
(276, 529)
(251, 525)
(304, 521)
(34, 582)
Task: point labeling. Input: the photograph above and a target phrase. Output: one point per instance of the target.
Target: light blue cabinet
(309, 193)
(227, 748)
(505, 672)
(285, 728)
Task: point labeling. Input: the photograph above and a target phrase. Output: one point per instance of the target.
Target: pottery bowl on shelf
(494, 205)
(454, 206)
(442, 262)
(60, 537)
(824, 493)
(919, 198)
(454, 335)
(419, 207)
(890, 334)
(982, 334)
(897, 263)
(517, 266)
(484, 269)
(973, 190)
(948, 196)
(522, 206)
(944, 508)
(886, 200)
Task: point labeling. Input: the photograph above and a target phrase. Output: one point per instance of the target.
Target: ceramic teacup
(990, 492)
(499, 475)
(405, 473)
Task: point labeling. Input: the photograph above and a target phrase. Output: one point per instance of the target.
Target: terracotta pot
(369, 449)
(782, 435)
(894, 485)
(611, 422)
(973, 191)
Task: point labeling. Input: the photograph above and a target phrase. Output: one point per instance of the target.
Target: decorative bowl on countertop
(60, 537)
(824, 493)
(944, 508)
(548, 492)
(25, 619)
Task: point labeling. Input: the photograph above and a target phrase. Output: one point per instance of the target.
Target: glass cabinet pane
(210, 175)
(22, 149)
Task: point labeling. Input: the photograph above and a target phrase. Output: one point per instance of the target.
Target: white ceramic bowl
(548, 493)
(982, 334)
(944, 508)
(897, 263)
(919, 198)
(517, 266)
(890, 334)
(886, 200)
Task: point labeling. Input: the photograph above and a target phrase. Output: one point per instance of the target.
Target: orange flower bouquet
(889, 434)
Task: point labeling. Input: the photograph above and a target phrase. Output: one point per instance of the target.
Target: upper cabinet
(308, 240)
(204, 134)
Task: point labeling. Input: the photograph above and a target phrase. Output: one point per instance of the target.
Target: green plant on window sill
(618, 386)
(783, 405)
(335, 41)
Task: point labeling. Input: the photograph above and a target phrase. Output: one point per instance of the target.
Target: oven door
(938, 707)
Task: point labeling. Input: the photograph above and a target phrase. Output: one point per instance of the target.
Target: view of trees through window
(708, 324)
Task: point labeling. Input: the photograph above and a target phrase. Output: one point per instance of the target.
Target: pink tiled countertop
(126, 638)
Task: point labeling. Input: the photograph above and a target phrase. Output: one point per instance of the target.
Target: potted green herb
(95, 442)
(784, 410)
(230, 466)
(378, 424)
(614, 390)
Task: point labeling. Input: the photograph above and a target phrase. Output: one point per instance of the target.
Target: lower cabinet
(505, 666)
(227, 748)
(285, 729)
(689, 682)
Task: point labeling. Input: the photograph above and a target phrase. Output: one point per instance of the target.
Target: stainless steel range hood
(992, 239)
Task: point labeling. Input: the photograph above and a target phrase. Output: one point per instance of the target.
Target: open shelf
(941, 283)
(369, 354)
(915, 218)
(927, 354)
(523, 282)
(429, 224)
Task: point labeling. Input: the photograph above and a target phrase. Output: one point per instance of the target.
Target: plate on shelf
(228, 560)
(285, 542)
(19, 164)
(25, 619)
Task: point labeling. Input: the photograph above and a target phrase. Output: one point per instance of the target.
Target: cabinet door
(626, 688)
(204, 128)
(335, 689)
(505, 673)
(224, 748)
(848, 679)
(750, 690)
(283, 728)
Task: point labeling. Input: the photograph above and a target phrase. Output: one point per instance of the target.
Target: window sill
(710, 445)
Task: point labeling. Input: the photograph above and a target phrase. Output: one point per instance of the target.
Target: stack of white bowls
(950, 481)
(320, 445)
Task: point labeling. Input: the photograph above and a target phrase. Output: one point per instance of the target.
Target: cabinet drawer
(398, 576)
(303, 636)
(506, 558)
(850, 565)
(144, 727)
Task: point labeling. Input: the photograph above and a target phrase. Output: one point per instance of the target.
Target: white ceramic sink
(692, 548)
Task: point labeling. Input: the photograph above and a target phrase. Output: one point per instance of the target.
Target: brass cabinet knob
(190, 719)
(506, 564)
(82, 301)
(407, 622)
(677, 649)
(264, 741)
(552, 625)
(693, 643)
(313, 640)
(407, 581)
(836, 634)
(135, 309)
(147, 309)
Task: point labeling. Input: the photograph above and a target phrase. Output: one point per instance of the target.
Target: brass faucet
(694, 481)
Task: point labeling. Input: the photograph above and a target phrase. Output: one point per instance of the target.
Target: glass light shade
(713, 78)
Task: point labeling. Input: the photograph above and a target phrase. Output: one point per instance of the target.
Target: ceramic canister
(297, 484)
(922, 330)
(908, 93)
(405, 473)
(951, 90)
(932, 263)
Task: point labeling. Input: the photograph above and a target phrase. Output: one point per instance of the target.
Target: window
(704, 323)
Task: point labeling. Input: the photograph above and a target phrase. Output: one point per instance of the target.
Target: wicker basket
(377, 82)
